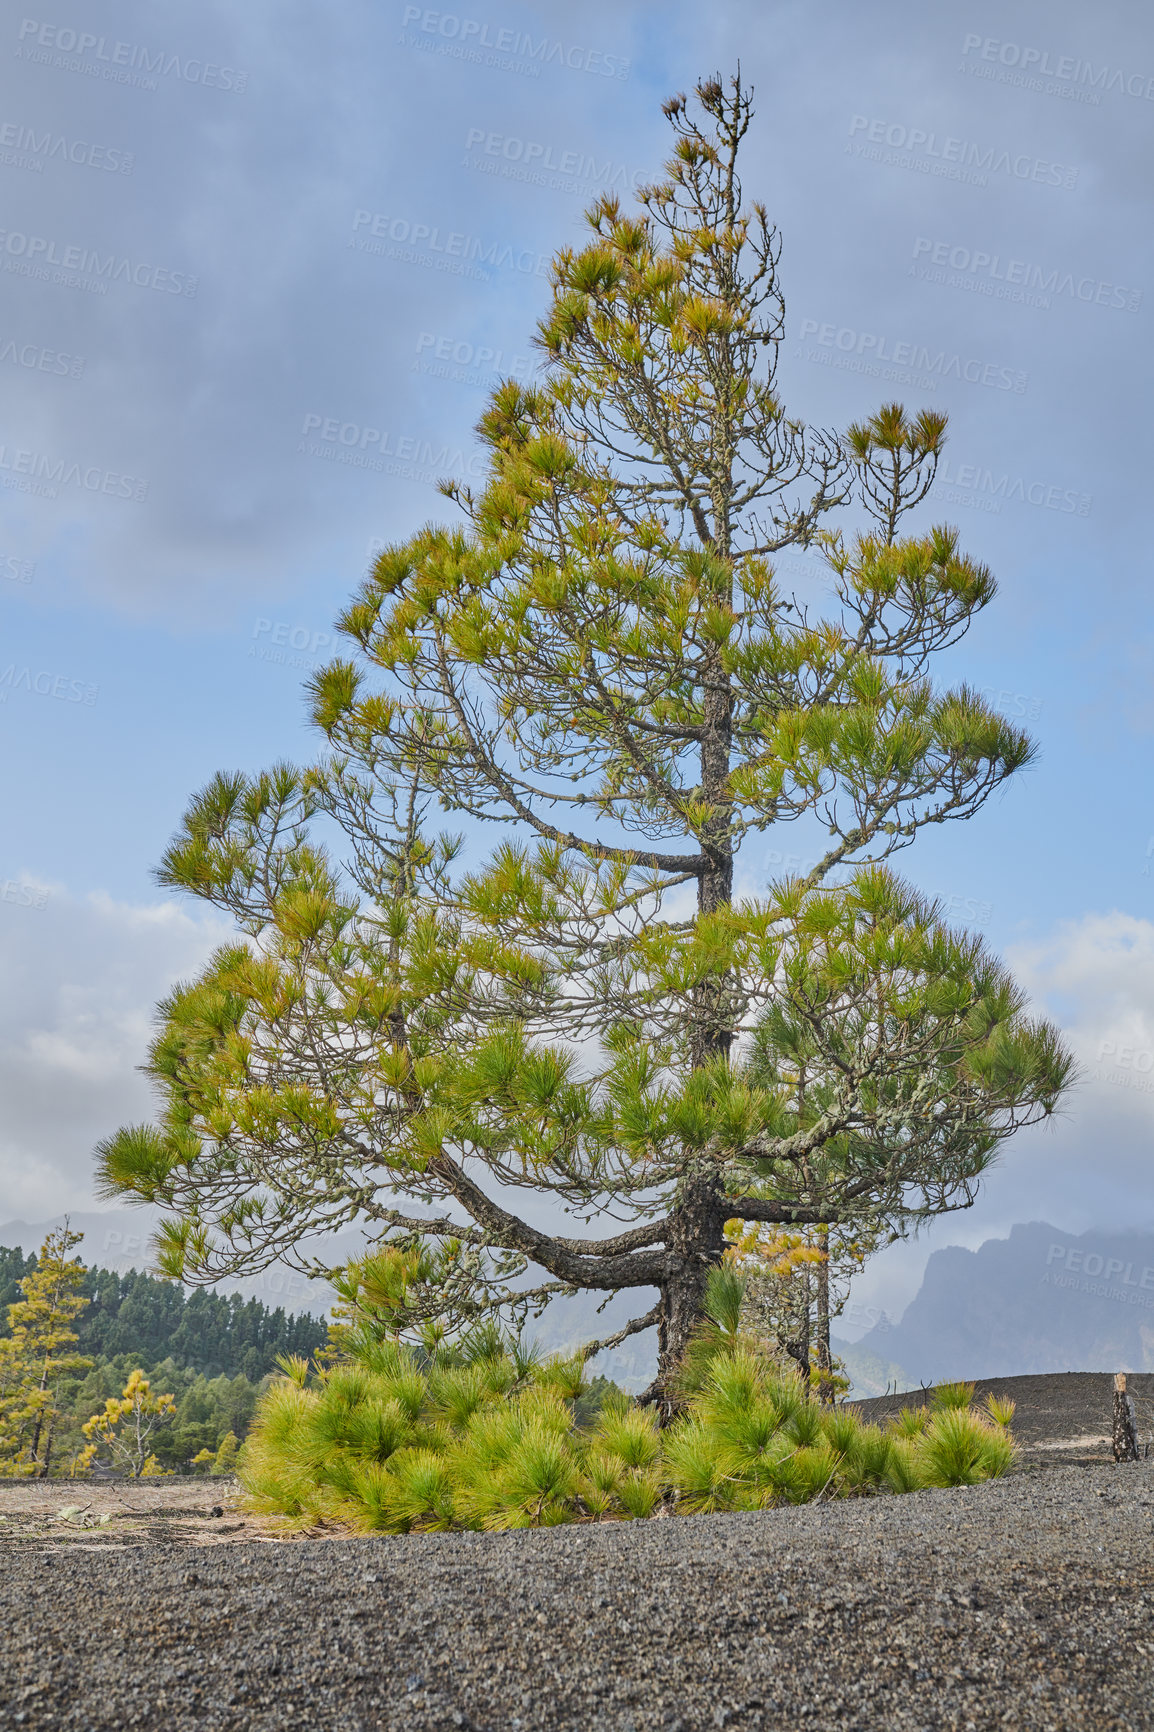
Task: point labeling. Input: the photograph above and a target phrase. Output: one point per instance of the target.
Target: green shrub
(962, 1448)
(958, 1396)
(867, 1459)
(399, 1439)
(841, 1428)
(701, 1469)
(911, 1421)
(902, 1471)
(1001, 1410)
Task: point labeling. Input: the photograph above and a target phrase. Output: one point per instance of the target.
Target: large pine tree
(599, 660)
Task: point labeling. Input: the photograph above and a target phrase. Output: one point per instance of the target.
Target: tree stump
(1125, 1441)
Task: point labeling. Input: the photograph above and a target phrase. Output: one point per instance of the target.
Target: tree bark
(799, 1352)
(696, 1245)
(696, 1242)
(1125, 1440)
(41, 1412)
(824, 1352)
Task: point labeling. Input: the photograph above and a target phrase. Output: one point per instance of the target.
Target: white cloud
(1095, 977)
(82, 978)
(1104, 965)
(1090, 1166)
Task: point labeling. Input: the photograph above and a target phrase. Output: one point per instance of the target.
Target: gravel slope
(1026, 1603)
(1061, 1412)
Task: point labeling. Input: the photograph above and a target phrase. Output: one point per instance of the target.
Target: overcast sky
(242, 245)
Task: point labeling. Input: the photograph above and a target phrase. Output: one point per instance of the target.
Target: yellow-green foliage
(1001, 1410)
(953, 1395)
(36, 1353)
(126, 1425)
(399, 1441)
(960, 1447)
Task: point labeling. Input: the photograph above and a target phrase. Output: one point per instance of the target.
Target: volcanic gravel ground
(1027, 1602)
(1057, 1414)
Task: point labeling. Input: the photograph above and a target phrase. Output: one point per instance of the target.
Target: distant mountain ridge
(1039, 1301)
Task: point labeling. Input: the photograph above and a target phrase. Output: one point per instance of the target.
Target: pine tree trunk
(824, 1351)
(800, 1351)
(696, 1246)
(34, 1451)
(48, 1439)
(698, 1239)
(40, 1415)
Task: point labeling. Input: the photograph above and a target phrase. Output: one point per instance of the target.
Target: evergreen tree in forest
(154, 1319)
(73, 1339)
(36, 1355)
(14, 1265)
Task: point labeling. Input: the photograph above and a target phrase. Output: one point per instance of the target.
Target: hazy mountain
(1041, 1300)
(869, 1373)
(570, 1322)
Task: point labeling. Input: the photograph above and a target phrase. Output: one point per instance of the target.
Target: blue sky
(320, 220)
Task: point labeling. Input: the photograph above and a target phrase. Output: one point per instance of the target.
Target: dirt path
(82, 1514)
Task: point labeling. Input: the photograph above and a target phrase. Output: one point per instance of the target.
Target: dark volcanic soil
(1026, 1603)
(1059, 1416)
